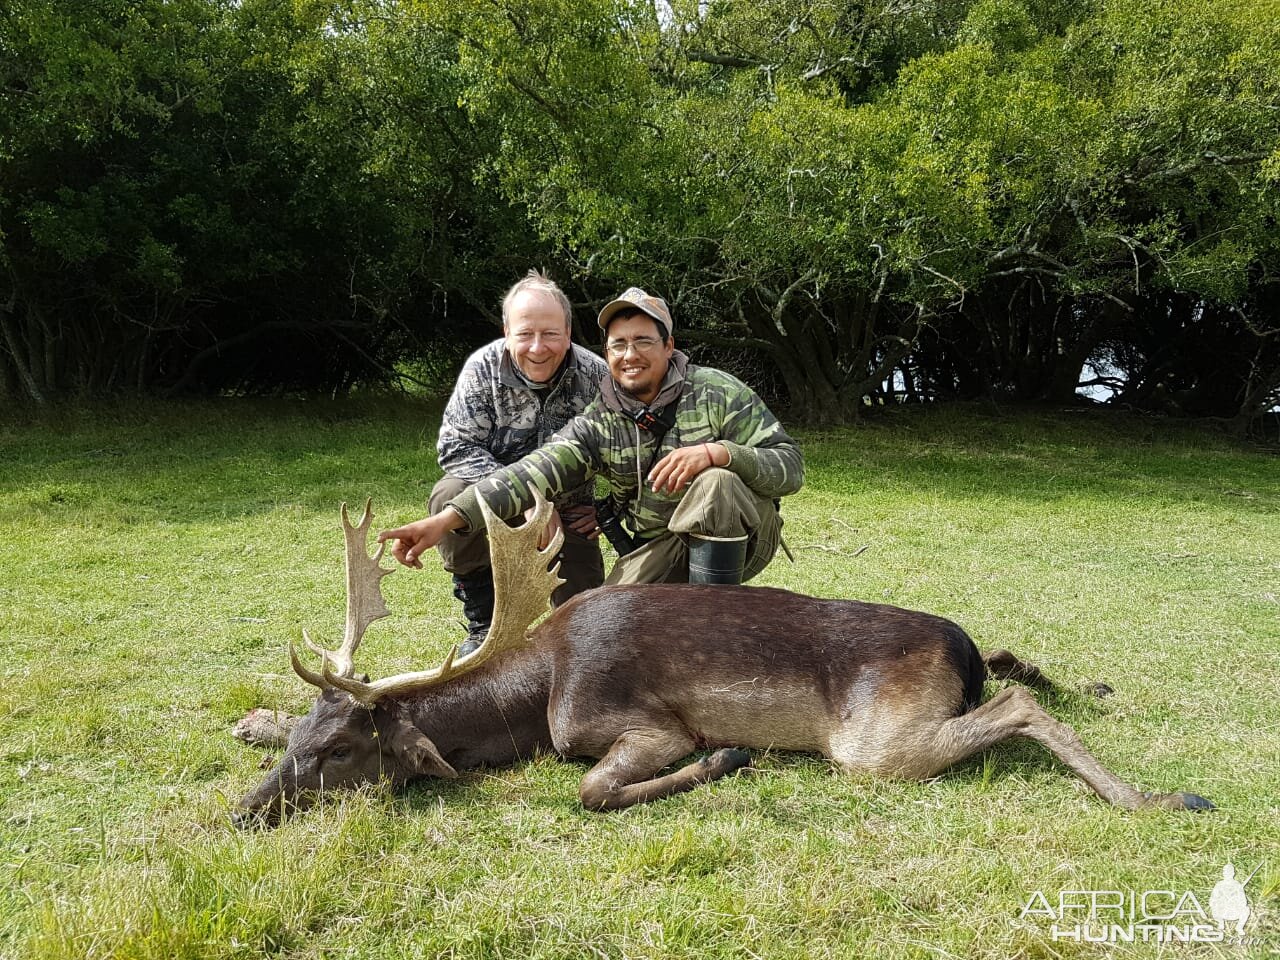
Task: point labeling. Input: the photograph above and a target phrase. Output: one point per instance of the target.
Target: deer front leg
(625, 776)
(1015, 713)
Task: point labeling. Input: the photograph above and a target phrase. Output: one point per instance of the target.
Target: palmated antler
(522, 585)
(365, 603)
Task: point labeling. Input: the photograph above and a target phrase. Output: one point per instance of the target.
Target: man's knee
(444, 490)
(462, 554)
(717, 504)
(717, 482)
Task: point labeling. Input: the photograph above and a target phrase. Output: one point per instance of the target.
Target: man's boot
(476, 593)
(716, 559)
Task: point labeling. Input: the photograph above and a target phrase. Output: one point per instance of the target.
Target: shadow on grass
(777, 782)
(966, 452)
(195, 461)
(192, 462)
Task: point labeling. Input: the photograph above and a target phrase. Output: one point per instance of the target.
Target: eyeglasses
(619, 348)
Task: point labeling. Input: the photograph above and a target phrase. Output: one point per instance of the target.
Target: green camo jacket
(714, 407)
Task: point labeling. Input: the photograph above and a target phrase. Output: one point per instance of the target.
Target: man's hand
(549, 531)
(677, 469)
(414, 539)
(582, 521)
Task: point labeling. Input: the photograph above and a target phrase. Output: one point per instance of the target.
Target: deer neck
(494, 716)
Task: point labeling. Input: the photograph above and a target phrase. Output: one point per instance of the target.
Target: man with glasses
(694, 460)
(511, 396)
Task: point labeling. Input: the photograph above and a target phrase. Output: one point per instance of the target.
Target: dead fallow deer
(639, 677)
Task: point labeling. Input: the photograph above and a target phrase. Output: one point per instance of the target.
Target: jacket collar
(619, 400)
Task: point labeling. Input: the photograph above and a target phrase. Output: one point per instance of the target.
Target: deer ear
(416, 752)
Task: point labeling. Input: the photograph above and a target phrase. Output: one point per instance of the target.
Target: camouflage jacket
(712, 407)
(495, 415)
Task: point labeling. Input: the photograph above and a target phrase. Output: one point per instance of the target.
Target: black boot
(476, 593)
(716, 559)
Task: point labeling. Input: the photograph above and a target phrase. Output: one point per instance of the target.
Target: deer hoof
(726, 760)
(1192, 801)
(1177, 801)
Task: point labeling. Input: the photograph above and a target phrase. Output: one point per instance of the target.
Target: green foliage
(223, 195)
(990, 187)
(947, 199)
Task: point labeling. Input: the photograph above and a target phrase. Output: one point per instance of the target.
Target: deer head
(356, 731)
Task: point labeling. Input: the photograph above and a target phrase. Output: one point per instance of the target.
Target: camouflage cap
(633, 298)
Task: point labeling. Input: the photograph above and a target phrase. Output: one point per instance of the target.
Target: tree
(863, 197)
(234, 195)
(948, 198)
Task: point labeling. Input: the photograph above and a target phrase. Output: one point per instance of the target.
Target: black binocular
(611, 526)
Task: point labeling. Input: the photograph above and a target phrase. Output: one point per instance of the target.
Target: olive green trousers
(717, 504)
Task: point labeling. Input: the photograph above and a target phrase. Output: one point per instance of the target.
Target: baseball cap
(633, 298)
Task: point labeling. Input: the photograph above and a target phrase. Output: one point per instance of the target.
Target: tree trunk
(17, 350)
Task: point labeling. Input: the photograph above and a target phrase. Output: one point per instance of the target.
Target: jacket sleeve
(760, 451)
(467, 428)
(565, 462)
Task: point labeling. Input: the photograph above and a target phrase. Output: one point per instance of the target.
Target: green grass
(157, 560)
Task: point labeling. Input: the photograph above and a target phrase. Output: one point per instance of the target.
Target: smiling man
(511, 396)
(695, 463)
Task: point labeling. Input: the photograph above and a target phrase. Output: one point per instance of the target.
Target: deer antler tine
(552, 549)
(315, 647)
(365, 693)
(326, 656)
(305, 672)
(365, 603)
(522, 587)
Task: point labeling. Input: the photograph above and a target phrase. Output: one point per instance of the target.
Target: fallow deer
(639, 677)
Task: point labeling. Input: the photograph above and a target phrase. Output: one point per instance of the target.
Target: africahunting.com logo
(1147, 916)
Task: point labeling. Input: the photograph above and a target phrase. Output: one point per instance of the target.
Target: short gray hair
(538, 282)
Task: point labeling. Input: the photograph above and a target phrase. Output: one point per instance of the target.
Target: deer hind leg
(1003, 665)
(1015, 713)
(625, 776)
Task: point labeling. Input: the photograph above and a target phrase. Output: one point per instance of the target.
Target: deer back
(746, 666)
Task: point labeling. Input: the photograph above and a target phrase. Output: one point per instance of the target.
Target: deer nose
(247, 819)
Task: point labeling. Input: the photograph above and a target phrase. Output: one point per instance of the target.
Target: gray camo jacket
(495, 417)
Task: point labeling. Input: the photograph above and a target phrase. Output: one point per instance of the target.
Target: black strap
(657, 422)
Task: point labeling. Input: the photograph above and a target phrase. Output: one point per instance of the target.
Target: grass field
(156, 561)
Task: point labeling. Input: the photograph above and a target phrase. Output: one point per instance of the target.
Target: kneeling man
(695, 463)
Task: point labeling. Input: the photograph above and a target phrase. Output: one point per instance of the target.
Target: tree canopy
(934, 199)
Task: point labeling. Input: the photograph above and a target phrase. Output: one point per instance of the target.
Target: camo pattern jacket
(495, 415)
(713, 407)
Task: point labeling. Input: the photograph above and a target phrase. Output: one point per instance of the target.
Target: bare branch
(724, 60)
(1206, 159)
